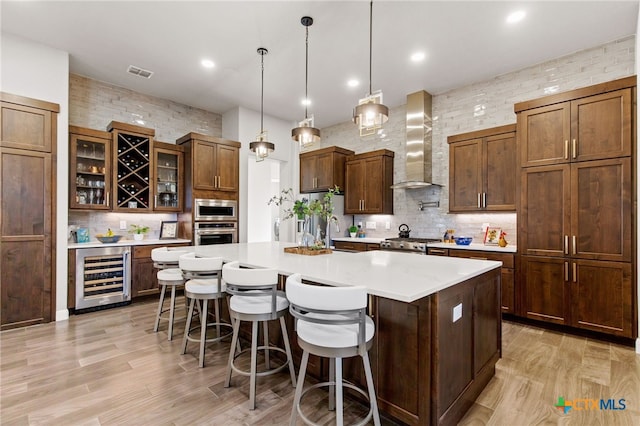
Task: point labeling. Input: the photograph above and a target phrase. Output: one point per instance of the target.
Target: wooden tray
(306, 251)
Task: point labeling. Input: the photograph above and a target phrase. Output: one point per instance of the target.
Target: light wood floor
(109, 367)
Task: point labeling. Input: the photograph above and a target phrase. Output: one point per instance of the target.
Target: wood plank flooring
(110, 368)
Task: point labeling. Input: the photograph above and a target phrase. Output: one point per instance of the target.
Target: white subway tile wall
(477, 106)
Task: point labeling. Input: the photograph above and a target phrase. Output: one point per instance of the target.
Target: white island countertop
(405, 277)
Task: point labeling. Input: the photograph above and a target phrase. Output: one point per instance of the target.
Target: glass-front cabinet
(89, 169)
(169, 176)
(132, 148)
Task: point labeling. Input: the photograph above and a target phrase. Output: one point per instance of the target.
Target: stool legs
(339, 401)
(172, 309)
(160, 304)
(301, 375)
(187, 326)
(234, 343)
(287, 348)
(254, 365)
(203, 331)
(372, 392)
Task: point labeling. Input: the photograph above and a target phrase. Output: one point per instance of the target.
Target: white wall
(39, 72)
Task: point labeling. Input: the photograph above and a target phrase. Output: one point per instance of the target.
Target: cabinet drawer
(344, 245)
(142, 252)
(438, 252)
(505, 258)
(372, 246)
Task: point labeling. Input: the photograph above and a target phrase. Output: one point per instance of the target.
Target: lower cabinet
(588, 294)
(144, 280)
(355, 246)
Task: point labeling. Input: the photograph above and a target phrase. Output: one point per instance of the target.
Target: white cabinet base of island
(438, 323)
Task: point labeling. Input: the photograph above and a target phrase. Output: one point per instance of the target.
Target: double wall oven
(215, 222)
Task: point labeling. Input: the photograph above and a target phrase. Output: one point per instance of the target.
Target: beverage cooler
(103, 277)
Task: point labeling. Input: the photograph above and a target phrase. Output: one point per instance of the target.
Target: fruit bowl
(111, 239)
(463, 241)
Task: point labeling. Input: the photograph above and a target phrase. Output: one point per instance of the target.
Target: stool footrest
(260, 373)
(213, 339)
(333, 383)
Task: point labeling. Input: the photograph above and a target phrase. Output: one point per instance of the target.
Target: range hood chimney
(418, 146)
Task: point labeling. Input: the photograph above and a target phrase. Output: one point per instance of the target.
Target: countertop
(359, 240)
(405, 277)
(475, 246)
(123, 242)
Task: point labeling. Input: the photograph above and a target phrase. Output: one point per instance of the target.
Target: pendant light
(306, 134)
(370, 114)
(261, 146)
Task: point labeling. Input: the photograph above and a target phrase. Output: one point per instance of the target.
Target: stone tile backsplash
(100, 222)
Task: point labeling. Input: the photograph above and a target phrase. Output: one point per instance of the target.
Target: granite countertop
(405, 277)
(124, 243)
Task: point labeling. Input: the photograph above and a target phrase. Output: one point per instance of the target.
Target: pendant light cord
(370, 42)
(262, 94)
(306, 75)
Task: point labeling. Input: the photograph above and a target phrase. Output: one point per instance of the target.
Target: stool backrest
(251, 282)
(200, 267)
(164, 257)
(336, 305)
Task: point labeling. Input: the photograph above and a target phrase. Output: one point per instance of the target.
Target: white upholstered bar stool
(255, 297)
(169, 275)
(204, 283)
(331, 322)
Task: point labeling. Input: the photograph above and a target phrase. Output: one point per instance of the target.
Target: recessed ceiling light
(516, 16)
(207, 63)
(353, 83)
(418, 56)
(306, 102)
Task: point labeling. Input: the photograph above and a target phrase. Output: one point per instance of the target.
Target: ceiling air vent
(139, 72)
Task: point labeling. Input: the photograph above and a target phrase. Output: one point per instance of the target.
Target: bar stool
(331, 322)
(204, 284)
(169, 275)
(255, 298)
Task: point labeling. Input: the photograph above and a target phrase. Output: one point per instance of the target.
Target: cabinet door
(545, 290)
(465, 176)
(144, 279)
(500, 172)
(227, 167)
(544, 221)
(602, 297)
(601, 126)
(373, 181)
(307, 173)
(508, 291)
(169, 180)
(544, 135)
(24, 127)
(601, 209)
(355, 177)
(26, 212)
(90, 173)
(204, 159)
(324, 171)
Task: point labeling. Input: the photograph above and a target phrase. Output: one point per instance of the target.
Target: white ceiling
(464, 42)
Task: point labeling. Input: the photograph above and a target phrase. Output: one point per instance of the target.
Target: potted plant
(353, 230)
(138, 231)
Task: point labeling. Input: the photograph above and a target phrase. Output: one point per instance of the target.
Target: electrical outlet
(387, 225)
(123, 224)
(457, 312)
(360, 224)
(371, 225)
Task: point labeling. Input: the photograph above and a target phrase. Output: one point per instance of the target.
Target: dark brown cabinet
(133, 168)
(323, 169)
(168, 160)
(214, 162)
(481, 172)
(90, 169)
(144, 280)
(575, 221)
(369, 177)
(355, 246)
(28, 135)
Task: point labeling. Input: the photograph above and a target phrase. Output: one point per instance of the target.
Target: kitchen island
(437, 323)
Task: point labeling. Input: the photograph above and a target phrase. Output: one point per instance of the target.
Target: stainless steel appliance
(409, 245)
(207, 233)
(215, 210)
(103, 277)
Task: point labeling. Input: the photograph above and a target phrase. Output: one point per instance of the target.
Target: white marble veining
(475, 246)
(404, 277)
(123, 242)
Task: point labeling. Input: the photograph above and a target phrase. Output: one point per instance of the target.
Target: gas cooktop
(415, 245)
(416, 240)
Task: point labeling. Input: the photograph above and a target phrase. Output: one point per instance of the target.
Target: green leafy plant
(353, 229)
(138, 229)
(301, 208)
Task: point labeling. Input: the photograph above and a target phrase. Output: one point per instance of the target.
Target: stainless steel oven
(217, 210)
(207, 233)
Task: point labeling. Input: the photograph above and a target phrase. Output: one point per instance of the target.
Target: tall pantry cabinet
(28, 137)
(576, 216)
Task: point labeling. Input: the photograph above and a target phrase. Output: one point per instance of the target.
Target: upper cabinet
(368, 180)
(90, 169)
(169, 173)
(482, 172)
(30, 127)
(132, 149)
(323, 169)
(212, 165)
(591, 127)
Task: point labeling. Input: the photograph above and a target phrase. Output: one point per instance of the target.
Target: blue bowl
(463, 241)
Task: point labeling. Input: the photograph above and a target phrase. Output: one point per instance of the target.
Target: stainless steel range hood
(419, 169)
